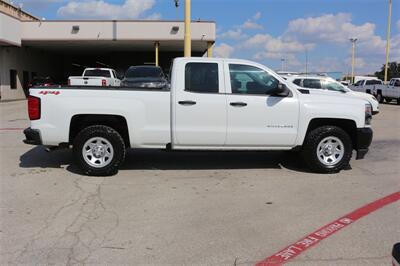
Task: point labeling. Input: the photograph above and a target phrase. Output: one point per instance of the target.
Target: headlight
(368, 113)
(154, 84)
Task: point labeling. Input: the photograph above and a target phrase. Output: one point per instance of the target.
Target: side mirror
(282, 90)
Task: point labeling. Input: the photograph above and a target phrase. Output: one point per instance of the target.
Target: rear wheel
(327, 149)
(99, 150)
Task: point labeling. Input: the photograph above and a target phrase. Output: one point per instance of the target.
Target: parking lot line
(317, 236)
(11, 128)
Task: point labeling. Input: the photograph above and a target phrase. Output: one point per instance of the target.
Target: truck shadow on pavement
(173, 160)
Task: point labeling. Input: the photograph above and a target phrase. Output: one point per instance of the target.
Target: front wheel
(99, 150)
(379, 98)
(327, 149)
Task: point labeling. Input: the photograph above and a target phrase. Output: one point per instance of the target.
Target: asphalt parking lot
(196, 208)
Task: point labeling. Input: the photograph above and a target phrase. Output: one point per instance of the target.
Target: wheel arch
(117, 122)
(348, 125)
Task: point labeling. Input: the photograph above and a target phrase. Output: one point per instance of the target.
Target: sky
(277, 33)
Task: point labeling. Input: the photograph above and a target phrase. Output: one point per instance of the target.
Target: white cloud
(237, 32)
(329, 28)
(233, 34)
(257, 16)
(256, 40)
(251, 25)
(223, 50)
(130, 9)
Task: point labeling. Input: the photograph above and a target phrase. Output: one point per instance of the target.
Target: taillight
(69, 82)
(33, 108)
(103, 82)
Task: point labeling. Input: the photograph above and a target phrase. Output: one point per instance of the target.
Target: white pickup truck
(366, 85)
(213, 104)
(388, 92)
(96, 77)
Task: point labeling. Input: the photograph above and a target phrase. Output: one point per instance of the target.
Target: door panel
(200, 109)
(261, 119)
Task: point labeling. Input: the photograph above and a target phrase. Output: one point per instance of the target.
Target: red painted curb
(314, 238)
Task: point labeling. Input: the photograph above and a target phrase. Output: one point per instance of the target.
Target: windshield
(144, 72)
(97, 73)
(333, 86)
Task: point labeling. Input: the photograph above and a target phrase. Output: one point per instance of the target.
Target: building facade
(30, 47)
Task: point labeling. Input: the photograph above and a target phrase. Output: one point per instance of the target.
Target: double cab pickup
(212, 104)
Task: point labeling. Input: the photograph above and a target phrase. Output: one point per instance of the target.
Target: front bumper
(32, 136)
(364, 139)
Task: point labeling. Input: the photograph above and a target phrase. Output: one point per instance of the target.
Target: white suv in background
(331, 86)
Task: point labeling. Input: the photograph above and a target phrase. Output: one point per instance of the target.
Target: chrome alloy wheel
(330, 151)
(97, 152)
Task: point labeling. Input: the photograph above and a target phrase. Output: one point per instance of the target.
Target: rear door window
(312, 83)
(201, 77)
(373, 82)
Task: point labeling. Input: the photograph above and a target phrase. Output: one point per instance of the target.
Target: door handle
(187, 103)
(238, 104)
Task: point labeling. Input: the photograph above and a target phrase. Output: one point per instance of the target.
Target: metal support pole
(188, 41)
(209, 49)
(353, 58)
(156, 46)
(388, 41)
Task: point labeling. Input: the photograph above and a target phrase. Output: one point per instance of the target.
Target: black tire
(310, 146)
(107, 133)
(379, 97)
(398, 101)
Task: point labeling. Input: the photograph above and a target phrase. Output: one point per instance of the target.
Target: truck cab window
(201, 77)
(333, 86)
(251, 80)
(373, 82)
(397, 83)
(359, 83)
(297, 82)
(312, 83)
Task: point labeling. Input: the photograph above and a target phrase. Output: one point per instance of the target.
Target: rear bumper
(364, 139)
(32, 136)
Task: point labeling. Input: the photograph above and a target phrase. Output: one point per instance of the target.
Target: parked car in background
(41, 82)
(332, 86)
(213, 104)
(388, 92)
(366, 85)
(149, 77)
(96, 77)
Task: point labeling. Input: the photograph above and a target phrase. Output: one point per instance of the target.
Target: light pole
(306, 61)
(187, 37)
(388, 40)
(353, 59)
(188, 40)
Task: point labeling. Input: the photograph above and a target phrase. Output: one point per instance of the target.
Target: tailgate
(88, 81)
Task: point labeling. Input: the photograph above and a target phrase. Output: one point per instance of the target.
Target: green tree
(393, 71)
